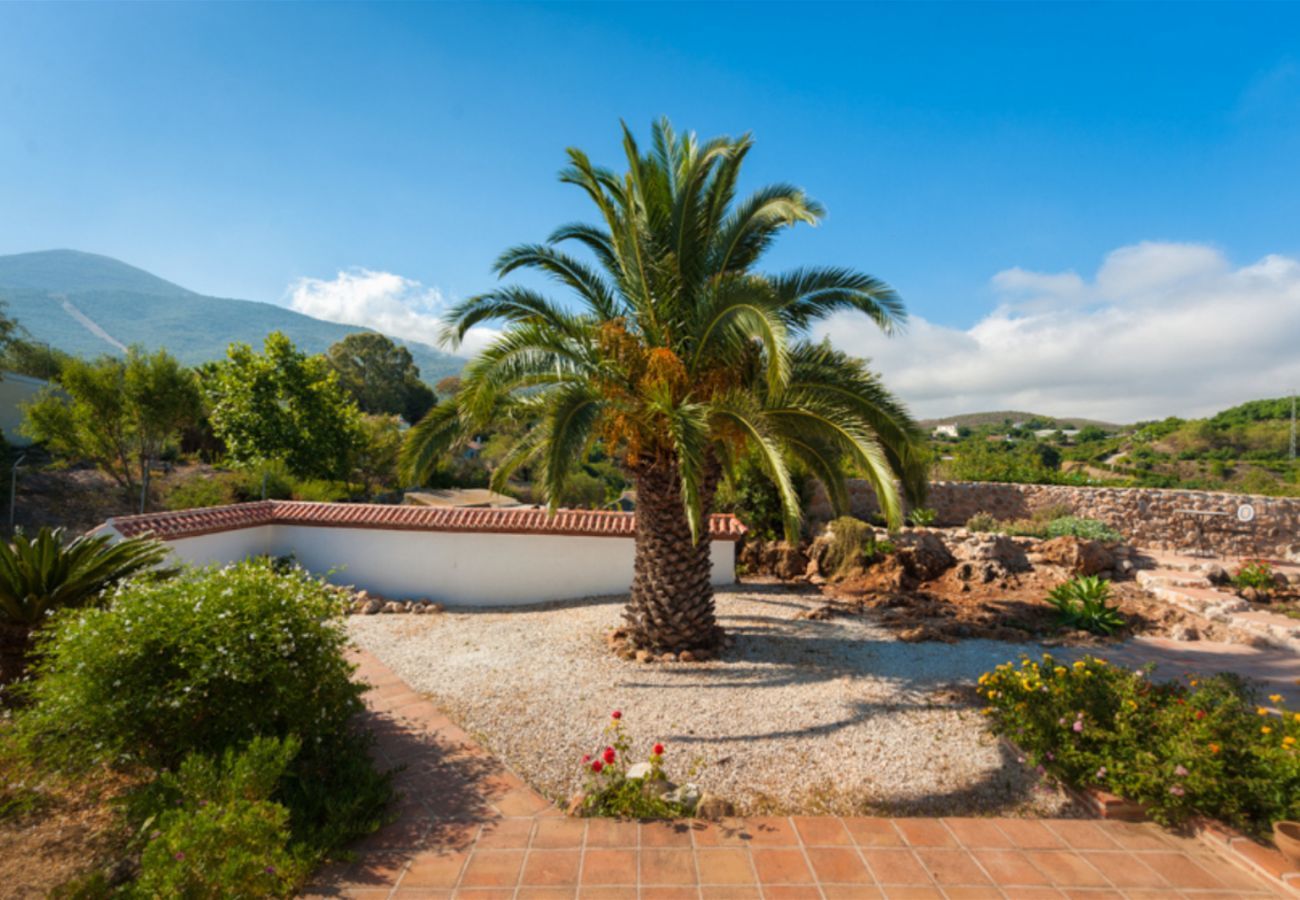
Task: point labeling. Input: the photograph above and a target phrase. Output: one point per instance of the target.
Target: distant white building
(948, 431)
(1068, 433)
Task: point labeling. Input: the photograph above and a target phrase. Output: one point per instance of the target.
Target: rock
(644, 656)
(1217, 575)
(575, 804)
(1184, 632)
(1125, 566)
(1249, 594)
(392, 606)
(713, 807)
(1077, 556)
(686, 656)
(372, 607)
(639, 770)
(992, 548)
(408, 606)
(686, 795)
(668, 657)
(923, 554)
(779, 558)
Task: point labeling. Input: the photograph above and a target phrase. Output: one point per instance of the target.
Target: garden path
(468, 828)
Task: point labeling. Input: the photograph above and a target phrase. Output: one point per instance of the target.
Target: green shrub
(1085, 529)
(219, 833)
(922, 516)
(320, 491)
(1254, 573)
(983, 521)
(853, 545)
(202, 663)
(1204, 747)
(1084, 603)
(217, 489)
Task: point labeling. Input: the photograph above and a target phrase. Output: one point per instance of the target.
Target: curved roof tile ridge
(509, 520)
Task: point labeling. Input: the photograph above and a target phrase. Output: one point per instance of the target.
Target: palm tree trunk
(15, 654)
(671, 607)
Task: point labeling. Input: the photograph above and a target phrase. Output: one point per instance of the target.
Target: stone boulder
(1075, 555)
(778, 558)
(923, 554)
(982, 548)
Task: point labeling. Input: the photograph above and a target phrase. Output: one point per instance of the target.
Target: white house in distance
(456, 556)
(946, 431)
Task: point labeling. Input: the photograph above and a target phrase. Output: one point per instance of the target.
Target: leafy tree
(1089, 433)
(283, 405)
(380, 376)
(374, 461)
(117, 413)
(33, 359)
(680, 355)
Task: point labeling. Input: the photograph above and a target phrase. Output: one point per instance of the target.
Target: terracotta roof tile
(517, 520)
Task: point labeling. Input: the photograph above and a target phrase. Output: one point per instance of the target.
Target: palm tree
(43, 575)
(679, 356)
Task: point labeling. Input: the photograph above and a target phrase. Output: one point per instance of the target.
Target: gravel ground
(832, 716)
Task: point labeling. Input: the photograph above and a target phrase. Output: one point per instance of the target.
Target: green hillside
(88, 305)
(1002, 417)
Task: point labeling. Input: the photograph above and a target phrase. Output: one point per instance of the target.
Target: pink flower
(1180, 772)
(1078, 726)
(1177, 790)
(609, 754)
(1101, 773)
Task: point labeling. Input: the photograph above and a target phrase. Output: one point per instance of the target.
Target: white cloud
(399, 307)
(1161, 329)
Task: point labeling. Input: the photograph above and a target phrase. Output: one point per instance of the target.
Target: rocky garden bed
(953, 584)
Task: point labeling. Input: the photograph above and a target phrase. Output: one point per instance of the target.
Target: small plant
(1084, 603)
(1254, 573)
(922, 516)
(1085, 529)
(614, 786)
(983, 521)
(219, 833)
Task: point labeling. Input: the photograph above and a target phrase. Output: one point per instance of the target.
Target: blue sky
(238, 149)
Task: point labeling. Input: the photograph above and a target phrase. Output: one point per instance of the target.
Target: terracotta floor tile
(1032, 893)
(851, 892)
(727, 833)
(1136, 835)
(1066, 869)
(1266, 858)
(873, 832)
(770, 831)
(434, 869)
(1080, 834)
(838, 865)
(912, 892)
(1028, 834)
(791, 892)
(609, 867)
(665, 866)
(1124, 870)
(925, 833)
(612, 833)
(409, 894)
(821, 831)
(896, 867)
(781, 866)
(724, 866)
(521, 802)
(669, 893)
(1085, 894)
(1182, 871)
(505, 834)
(972, 893)
(729, 892)
(665, 834)
(546, 893)
(606, 893)
(952, 866)
(978, 833)
(558, 834)
(493, 868)
(551, 867)
(1007, 867)
(485, 894)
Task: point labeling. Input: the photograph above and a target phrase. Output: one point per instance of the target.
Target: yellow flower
(1264, 729)
(1194, 682)
(1274, 698)
(1263, 710)
(988, 710)
(1297, 717)
(1288, 741)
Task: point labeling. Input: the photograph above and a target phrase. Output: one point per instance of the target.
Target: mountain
(87, 305)
(975, 420)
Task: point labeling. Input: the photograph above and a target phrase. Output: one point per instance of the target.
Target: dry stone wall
(1149, 517)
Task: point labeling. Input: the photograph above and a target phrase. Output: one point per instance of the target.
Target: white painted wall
(455, 568)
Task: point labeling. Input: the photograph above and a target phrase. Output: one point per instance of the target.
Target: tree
(33, 360)
(283, 405)
(381, 376)
(118, 414)
(374, 459)
(679, 357)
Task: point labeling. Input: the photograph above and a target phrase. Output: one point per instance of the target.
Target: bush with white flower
(614, 785)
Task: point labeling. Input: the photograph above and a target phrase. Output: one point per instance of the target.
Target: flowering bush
(1254, 573)
(614, 786)
(1200, 747)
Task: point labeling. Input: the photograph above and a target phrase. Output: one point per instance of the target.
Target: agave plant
(1084, 603)
(42, 575)
(680, 355)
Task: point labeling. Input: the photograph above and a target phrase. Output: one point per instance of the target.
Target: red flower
(1200, 714)
(586, 758)
(597, 766)
(657, 749)
(609, 754)
(616, 715)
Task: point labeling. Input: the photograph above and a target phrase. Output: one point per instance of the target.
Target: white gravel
(800, 716)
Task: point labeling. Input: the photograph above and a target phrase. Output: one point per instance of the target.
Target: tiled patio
(466, 828)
